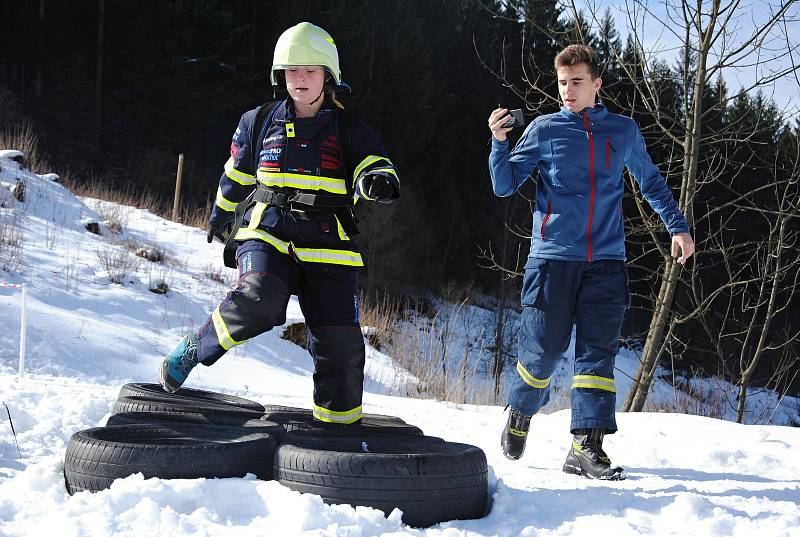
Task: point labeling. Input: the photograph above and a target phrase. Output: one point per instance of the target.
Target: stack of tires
(382, 462)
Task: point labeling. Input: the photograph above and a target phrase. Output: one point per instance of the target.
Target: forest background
(114, 90)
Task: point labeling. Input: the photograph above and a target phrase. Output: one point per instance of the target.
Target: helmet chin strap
(318, 96)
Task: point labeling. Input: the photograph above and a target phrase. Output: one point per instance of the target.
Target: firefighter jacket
(580, 158)
(302, 155)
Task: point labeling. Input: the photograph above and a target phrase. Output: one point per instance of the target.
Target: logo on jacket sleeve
(236, 142)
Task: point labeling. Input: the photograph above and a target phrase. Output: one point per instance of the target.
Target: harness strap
(319, 201)
(346, 215)
(229, 253)
(298, 200)
(340, 206)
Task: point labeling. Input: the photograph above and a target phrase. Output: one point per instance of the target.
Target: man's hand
(217, 225)
(683, 244)
(496, 121)
(378, 187)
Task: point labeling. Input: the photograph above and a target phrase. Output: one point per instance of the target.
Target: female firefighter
(289, 196)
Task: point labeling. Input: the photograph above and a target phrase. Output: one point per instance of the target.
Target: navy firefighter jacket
(580, 158)
(301, 155)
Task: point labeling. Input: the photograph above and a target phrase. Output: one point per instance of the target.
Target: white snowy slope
(86, 336)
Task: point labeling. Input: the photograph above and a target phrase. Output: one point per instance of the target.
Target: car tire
(429, 479)
(96, 457)
(169, 419)
(182, 406)
(155, 392)
(300, 419)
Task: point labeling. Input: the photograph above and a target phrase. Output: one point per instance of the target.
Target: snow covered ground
(86, 336)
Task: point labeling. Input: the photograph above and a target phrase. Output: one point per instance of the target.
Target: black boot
(588, 459)
(514, 434)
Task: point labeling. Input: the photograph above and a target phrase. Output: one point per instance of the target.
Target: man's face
(576, 87)
(305, 83)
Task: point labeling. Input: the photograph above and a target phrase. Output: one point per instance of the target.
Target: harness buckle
(278, 199)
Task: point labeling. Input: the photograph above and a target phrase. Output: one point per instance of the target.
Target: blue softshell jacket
(580, 158)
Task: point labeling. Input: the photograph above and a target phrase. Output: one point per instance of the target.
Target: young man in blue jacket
(575, 274)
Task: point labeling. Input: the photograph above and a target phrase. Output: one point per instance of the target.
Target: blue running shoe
(179, 363)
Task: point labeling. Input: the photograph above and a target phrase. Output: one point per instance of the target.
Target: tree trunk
(762, 341)
(40, 37)
(654, 345)
(98, 110)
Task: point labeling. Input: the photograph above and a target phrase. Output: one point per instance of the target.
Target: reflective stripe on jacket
(301, 155)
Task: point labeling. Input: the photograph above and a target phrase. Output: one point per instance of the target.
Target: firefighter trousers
(558, 295)
(328, 297)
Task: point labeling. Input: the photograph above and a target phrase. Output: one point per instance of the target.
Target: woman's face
(305, 83)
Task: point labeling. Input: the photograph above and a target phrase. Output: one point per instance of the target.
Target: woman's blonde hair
(330, 90)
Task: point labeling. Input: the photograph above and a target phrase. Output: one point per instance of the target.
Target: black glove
(218, 224)
(379, 187)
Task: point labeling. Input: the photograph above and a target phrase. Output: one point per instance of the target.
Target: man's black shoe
(587, 458)
(515, 434)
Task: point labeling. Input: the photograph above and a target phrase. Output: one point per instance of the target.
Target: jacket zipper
(608, 153)
(591, 182)
(546, 217)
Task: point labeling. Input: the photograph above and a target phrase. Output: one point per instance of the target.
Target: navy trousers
(328, 297)
(557, 295)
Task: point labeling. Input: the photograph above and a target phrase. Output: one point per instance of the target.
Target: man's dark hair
(575, 54)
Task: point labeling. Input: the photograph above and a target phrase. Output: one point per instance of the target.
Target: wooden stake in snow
(176, 203)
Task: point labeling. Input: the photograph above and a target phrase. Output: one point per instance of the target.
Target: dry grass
(157, 282)
(435, 352)
(22, 137)
(696, 395)
(10, 244)
(117, 262)
(19, 136)
(217, 274)
(115, 217)
(431, 349)
(195, 215)
(97, 188)
(380, 319)
(158, 204)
